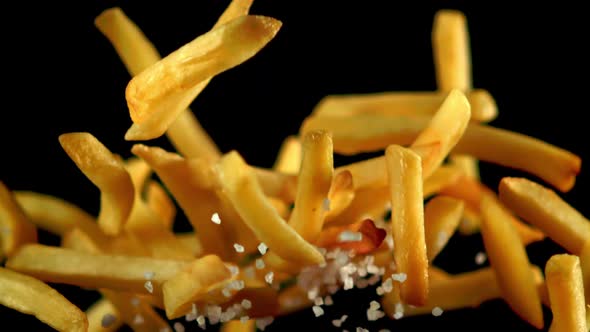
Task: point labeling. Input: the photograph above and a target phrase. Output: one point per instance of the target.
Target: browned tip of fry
(483, 105)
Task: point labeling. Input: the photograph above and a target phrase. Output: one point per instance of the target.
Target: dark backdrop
(61, 75)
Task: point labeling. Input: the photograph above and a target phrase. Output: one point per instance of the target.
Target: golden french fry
(180, 74)
(508, 258)
(452, 56)
(371, 237)
(139, 171)
(313, 185)
(566, 293)
(158, 201)
(404, 170)
(466, 163)
(367, 203)
(125, 273)
(31, 296)
(441, 218)
(192, 284)
(543, 208)
(276, 184)
(471, 220)
(340, 196)
(364, 133)
(292, 299)
(443, 177)
(243, 190)
(96, 314)
(108, 173)
(483, 106)
(129, 310)
(282, 208)
(191, 241)
(15, 227)
(585, 264)
(289, 156)
(78, 240)
(239, 326)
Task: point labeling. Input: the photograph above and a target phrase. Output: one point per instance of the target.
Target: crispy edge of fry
(340, 196)
(543, 208)
(442, 216)
(289, 157)
(31, 296)
(566, 293)
(509, 260)
(243, 190)
(585, 264)
(158, 201)
(239, 326)
(106, 172)
(96, 313)
(16, 229)
(404, 169)
(313, 185)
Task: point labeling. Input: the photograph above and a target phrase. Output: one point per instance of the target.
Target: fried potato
(125, 273)
(276, 184)
(313, 185)
(407, 221)
(239, 326)
(158, 201)
(566, 293)
(129, 310)
(441, 218)
(31, 296)
(97, 312)
(443, 177)
(543, 208)
(452, 56)
(179, 75)
(108, 173)
(15, 227)
(289, 157)
(340, 196)
(509, 260)
(585, 264)
(371, 237)
(191, 241)
(367, 203)
(466, 164)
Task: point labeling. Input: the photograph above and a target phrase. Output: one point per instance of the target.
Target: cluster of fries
(268, 242)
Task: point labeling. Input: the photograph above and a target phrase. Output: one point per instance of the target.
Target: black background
(61, 75)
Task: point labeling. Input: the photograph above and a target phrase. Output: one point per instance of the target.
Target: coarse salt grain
(317, 310)
(149, 286)
(349, 236)
(374, 305)
(262, 323)
(328, 300)
(149, 275)
(233, 269)
(348, 283)
(480, 258)
(326, 204)
(244, 319)
(269, 277)
(201, 322)
(259, 264)
(215, 218)
(318, 301)
(246, 304)
(178, 327)
(337, 322)
(437, 311)
(262, 248)
(380, 291)
(387, 285)
(238, 247)
(137, 319)
(400, 277)
(108, 320)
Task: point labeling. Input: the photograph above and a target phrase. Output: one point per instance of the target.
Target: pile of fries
(268, 242)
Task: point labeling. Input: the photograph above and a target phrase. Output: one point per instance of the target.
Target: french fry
(465, 164)
(292, 299)
(179, 75)
(585, 264)
(158, 201)
(276, 184)
(241, 187)
(31, 296)
(192, 284)
(367, 203)
(340, 196)
(543, 208)
(289, 157)
(314, 182)
(441, 218)
(264, 299)
(125, 273)
(139, 171)
(443, 177)
(508, 258)
(191, 241)
(97, 312)
(108, 173)
(407, 222)
(77, 240)
(239, 326)
(566, 293)
(129, 310)
(364, 133)
(371, 237)
(483, 106)
(15, 227)
(452, 56)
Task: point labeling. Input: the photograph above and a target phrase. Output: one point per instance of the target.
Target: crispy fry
(483, 106)
(471, 221)
(364, 133)
(340, 196)
(566, 293)
(191, 241)
(443, 177)
(466, 163)
(72, 267)
(441, 218)
(508, 258)
(158, 201)
(585, 264)
(238, 326)
(96, 313)
(241, 187)
(292, 299)
(407, 222)
(452, 57)
(15, 227)
(543, 208)
(367, 203)
(108, 173)
(129, 311)
(139, 171)
(77, 240)
(179, 75)
(289, 156)
(314, 182)
(371, 237)
(276, 184)
(31, 296)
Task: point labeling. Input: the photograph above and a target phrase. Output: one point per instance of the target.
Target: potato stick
(71, 267)
(585, 264)
(405, 184)
(278, 185)
(264, 299)
(106, 172)
(15, 227)
(289, 157)
(190, 182)
(483, 106)
(436, 275)
(340, 196)
(466, 164)
(242, 188)
(242, 233)
(313, 185)
(509, 260)
(441, 218)
(566, 293)
(543, 208)
(161, 243)
(58, 216)
(292, 299)
(127, 244)
(470, 222)
(443, 177)
(452, 55)
(180, 76)
(129, 311)
(158, 201)
(33, 297)
(364, 133)
(239, 326)
(282, 208)
(77, 240)
(139, 171)
(97, 312)
(367, 203)
(371, 237)
(191, 241)
(192, 284)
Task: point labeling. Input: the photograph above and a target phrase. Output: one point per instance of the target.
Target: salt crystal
(233, 269)
(214, 314)
(336, 322)
(398, 315)
(380, 291)
(149, 286)
(259, 264)
(480, 258)
(215, 218)
(246, 304)
(149, 275)
(244, 319)
(401, 277)
(373, 315)
(360, 329)
(165, 329)
(262, 248)
(238, 247)
(318, 301)
(312, 293)
(317, 310)
(343, 318)
(328, 300)
(201, 322)
(373, 269)
(268, 277)
(374, 305)
(226, 292)
(178, 327)
(348, 283)
(349, 236)
(387, 285)
(262, 323)
(437, 311)
(138, 319)
(389, 241)
(326, 204)
(108, 320)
